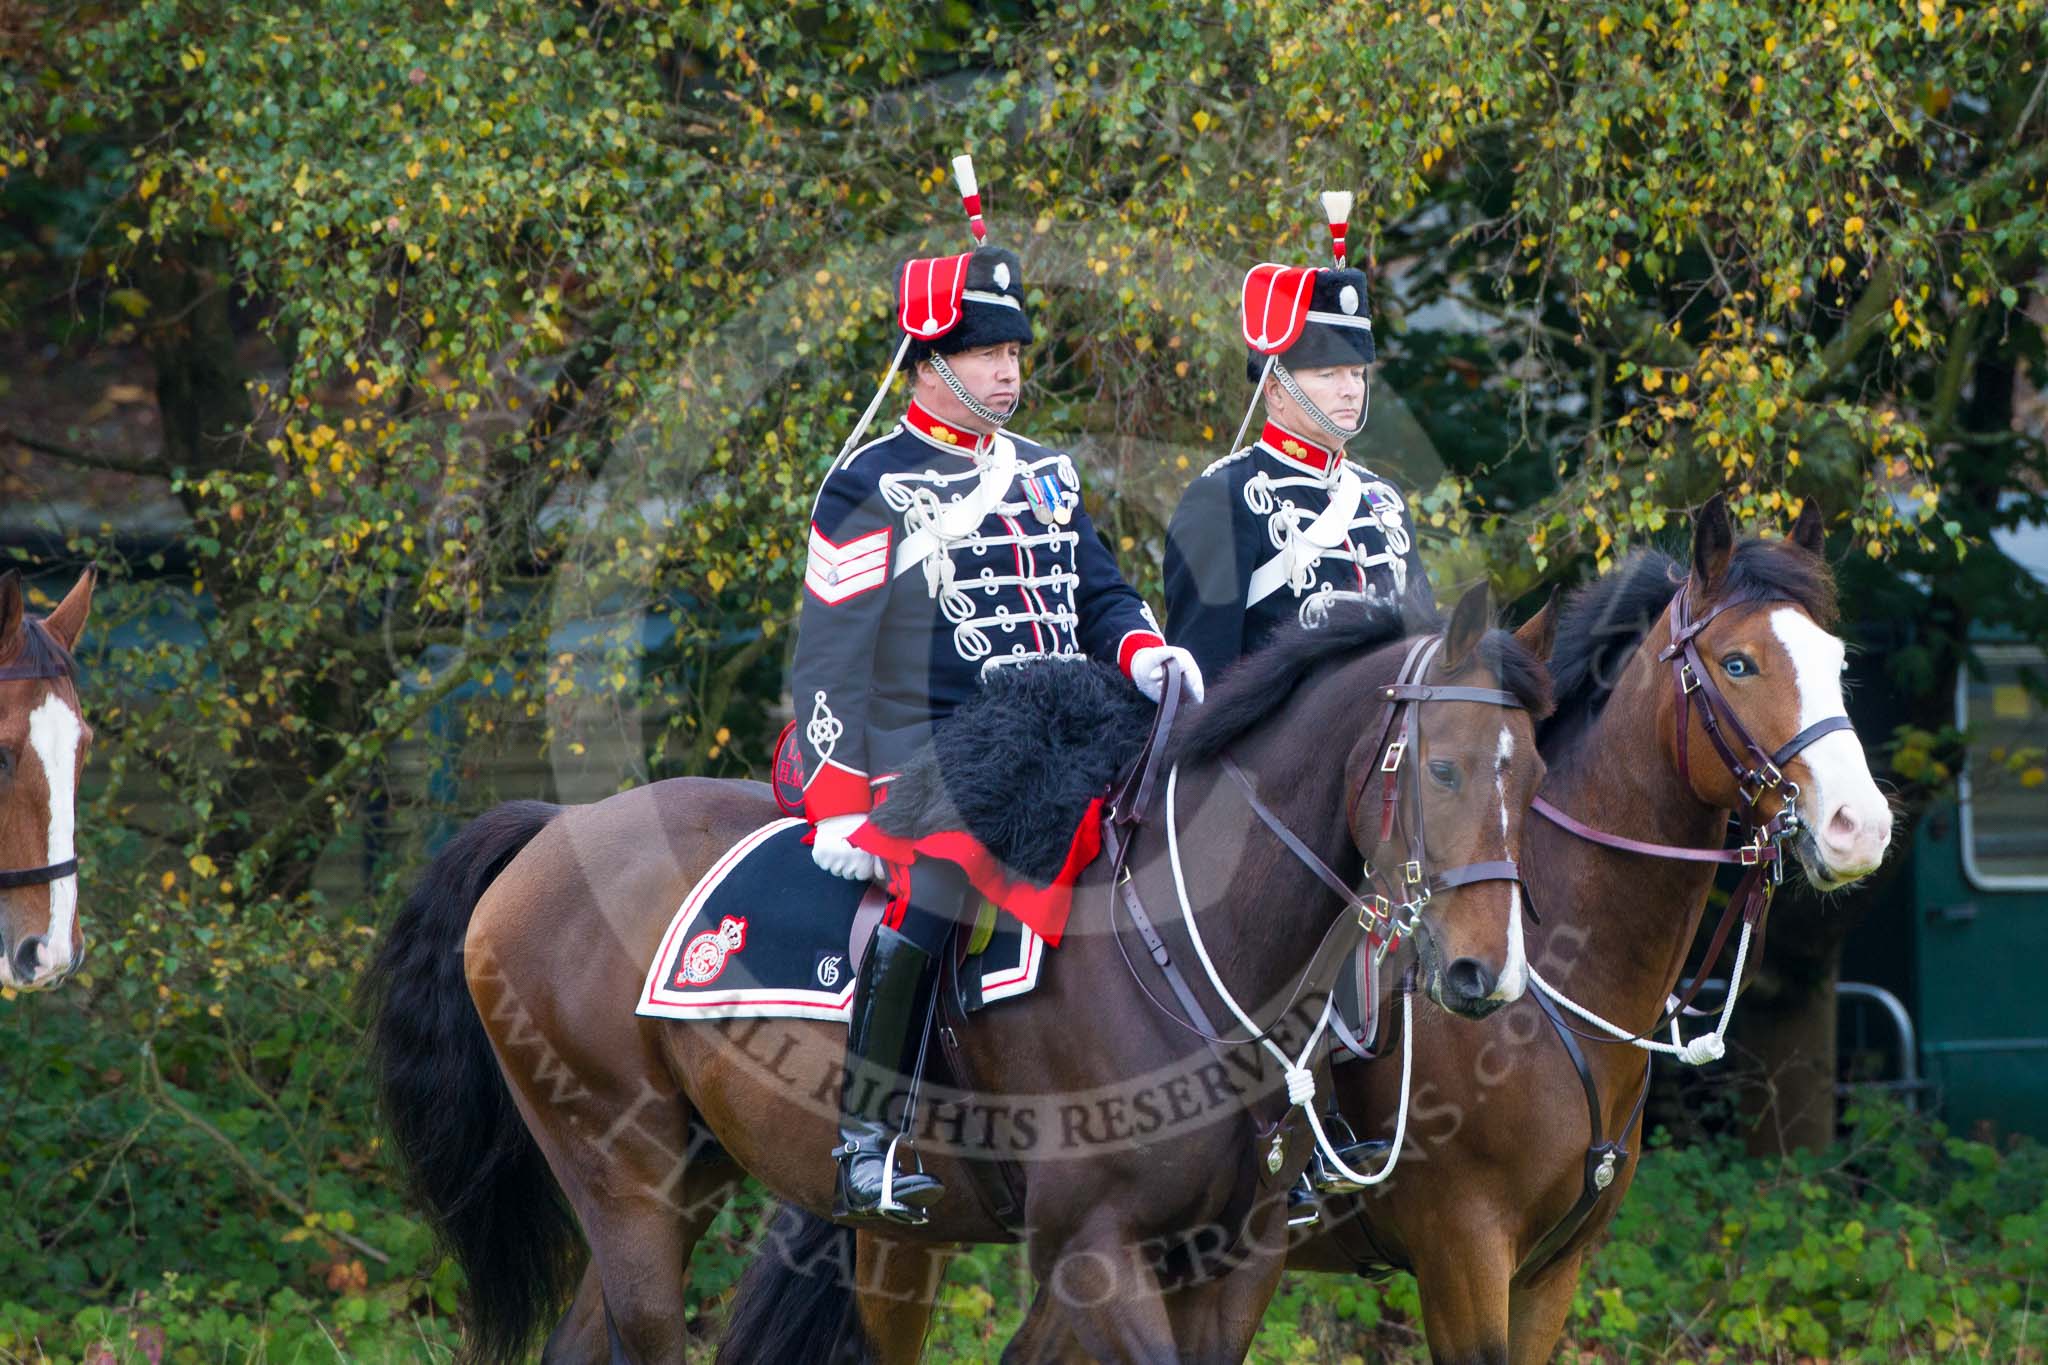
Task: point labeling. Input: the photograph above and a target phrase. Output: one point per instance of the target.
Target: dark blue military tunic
(936, 556)
(1262, 534)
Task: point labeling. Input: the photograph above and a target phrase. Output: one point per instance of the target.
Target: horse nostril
(1843, 826)
(27, 958)
(1468, 978)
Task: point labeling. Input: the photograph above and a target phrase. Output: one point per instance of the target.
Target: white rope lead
(1300, 1078)
(1708, 1047)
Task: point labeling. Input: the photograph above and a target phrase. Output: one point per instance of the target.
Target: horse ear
(1810, 529)
(1538, 634)
(1713, 541)
(1469, 624)
(67, 622)
(10, 608)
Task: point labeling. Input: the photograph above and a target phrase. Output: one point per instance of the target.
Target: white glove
(1148, 670)
(831, 851)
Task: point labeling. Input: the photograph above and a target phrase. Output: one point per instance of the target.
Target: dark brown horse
(1516, 1167)
(43, 736)
(528, 1099)
(1506, 1176)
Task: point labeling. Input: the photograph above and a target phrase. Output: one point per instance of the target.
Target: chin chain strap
(1321, 418)
(968, 400)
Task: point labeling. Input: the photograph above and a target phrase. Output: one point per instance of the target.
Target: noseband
(35, 672)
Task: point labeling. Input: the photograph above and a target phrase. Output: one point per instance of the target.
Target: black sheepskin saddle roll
(1017, 766)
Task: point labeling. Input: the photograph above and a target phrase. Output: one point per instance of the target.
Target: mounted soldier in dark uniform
(941, 551)
(1268, 531)
(1265, 535)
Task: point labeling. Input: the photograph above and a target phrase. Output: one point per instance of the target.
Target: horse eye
(6, 762)
(1738, 665)
(1445, 772)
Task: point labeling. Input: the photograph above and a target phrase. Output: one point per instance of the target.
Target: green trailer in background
(1964, 942)
(1980, 895)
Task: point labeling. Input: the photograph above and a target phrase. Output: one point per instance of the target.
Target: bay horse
(527, 1100)
(43, 738)
(1524, 1135)
(1527, 1130)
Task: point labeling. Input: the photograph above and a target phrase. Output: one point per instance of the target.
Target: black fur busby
(1017, 765)
(991, 311)
(1338, 330)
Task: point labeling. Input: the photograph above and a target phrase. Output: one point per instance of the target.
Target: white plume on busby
(1302, 317)
(947, 304)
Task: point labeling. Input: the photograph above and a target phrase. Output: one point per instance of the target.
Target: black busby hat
(1336, 328)
(989, 301)
(946, 304)
(1305, 317)
(1299, 317)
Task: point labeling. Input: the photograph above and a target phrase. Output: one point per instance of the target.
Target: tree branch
(149, 467)
(241, 1160)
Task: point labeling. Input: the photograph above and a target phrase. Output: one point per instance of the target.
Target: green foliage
(496, 349)
(1902, 1242)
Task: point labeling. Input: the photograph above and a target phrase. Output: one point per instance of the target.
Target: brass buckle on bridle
(1401, 922)
(1688, 680)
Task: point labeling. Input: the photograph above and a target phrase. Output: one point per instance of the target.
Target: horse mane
(1604, 621)
(39, 649)
(1257, 687)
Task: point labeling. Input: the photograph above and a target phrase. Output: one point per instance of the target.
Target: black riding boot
(881, 1043)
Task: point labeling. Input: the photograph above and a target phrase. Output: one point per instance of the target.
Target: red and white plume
(1337, 208)
(970, 196)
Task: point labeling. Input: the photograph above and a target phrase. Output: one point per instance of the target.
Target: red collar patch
(940, 433)
(1297, 448)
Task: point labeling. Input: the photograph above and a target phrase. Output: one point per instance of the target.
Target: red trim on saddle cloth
(1043, 908)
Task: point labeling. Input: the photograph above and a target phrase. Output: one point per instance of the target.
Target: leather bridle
(1401, 736)
(12, 879)
(1374, 917)
(1762, 843)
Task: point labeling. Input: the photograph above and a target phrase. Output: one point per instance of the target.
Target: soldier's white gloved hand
(831, 851)
(1148, 670)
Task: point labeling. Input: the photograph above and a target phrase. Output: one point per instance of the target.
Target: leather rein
(13, 879)
(1372, 917)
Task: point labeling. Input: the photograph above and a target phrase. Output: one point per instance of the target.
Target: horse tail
(795, 1303)
(467, 1156)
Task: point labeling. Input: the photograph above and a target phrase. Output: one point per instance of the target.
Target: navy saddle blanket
(765, 935)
